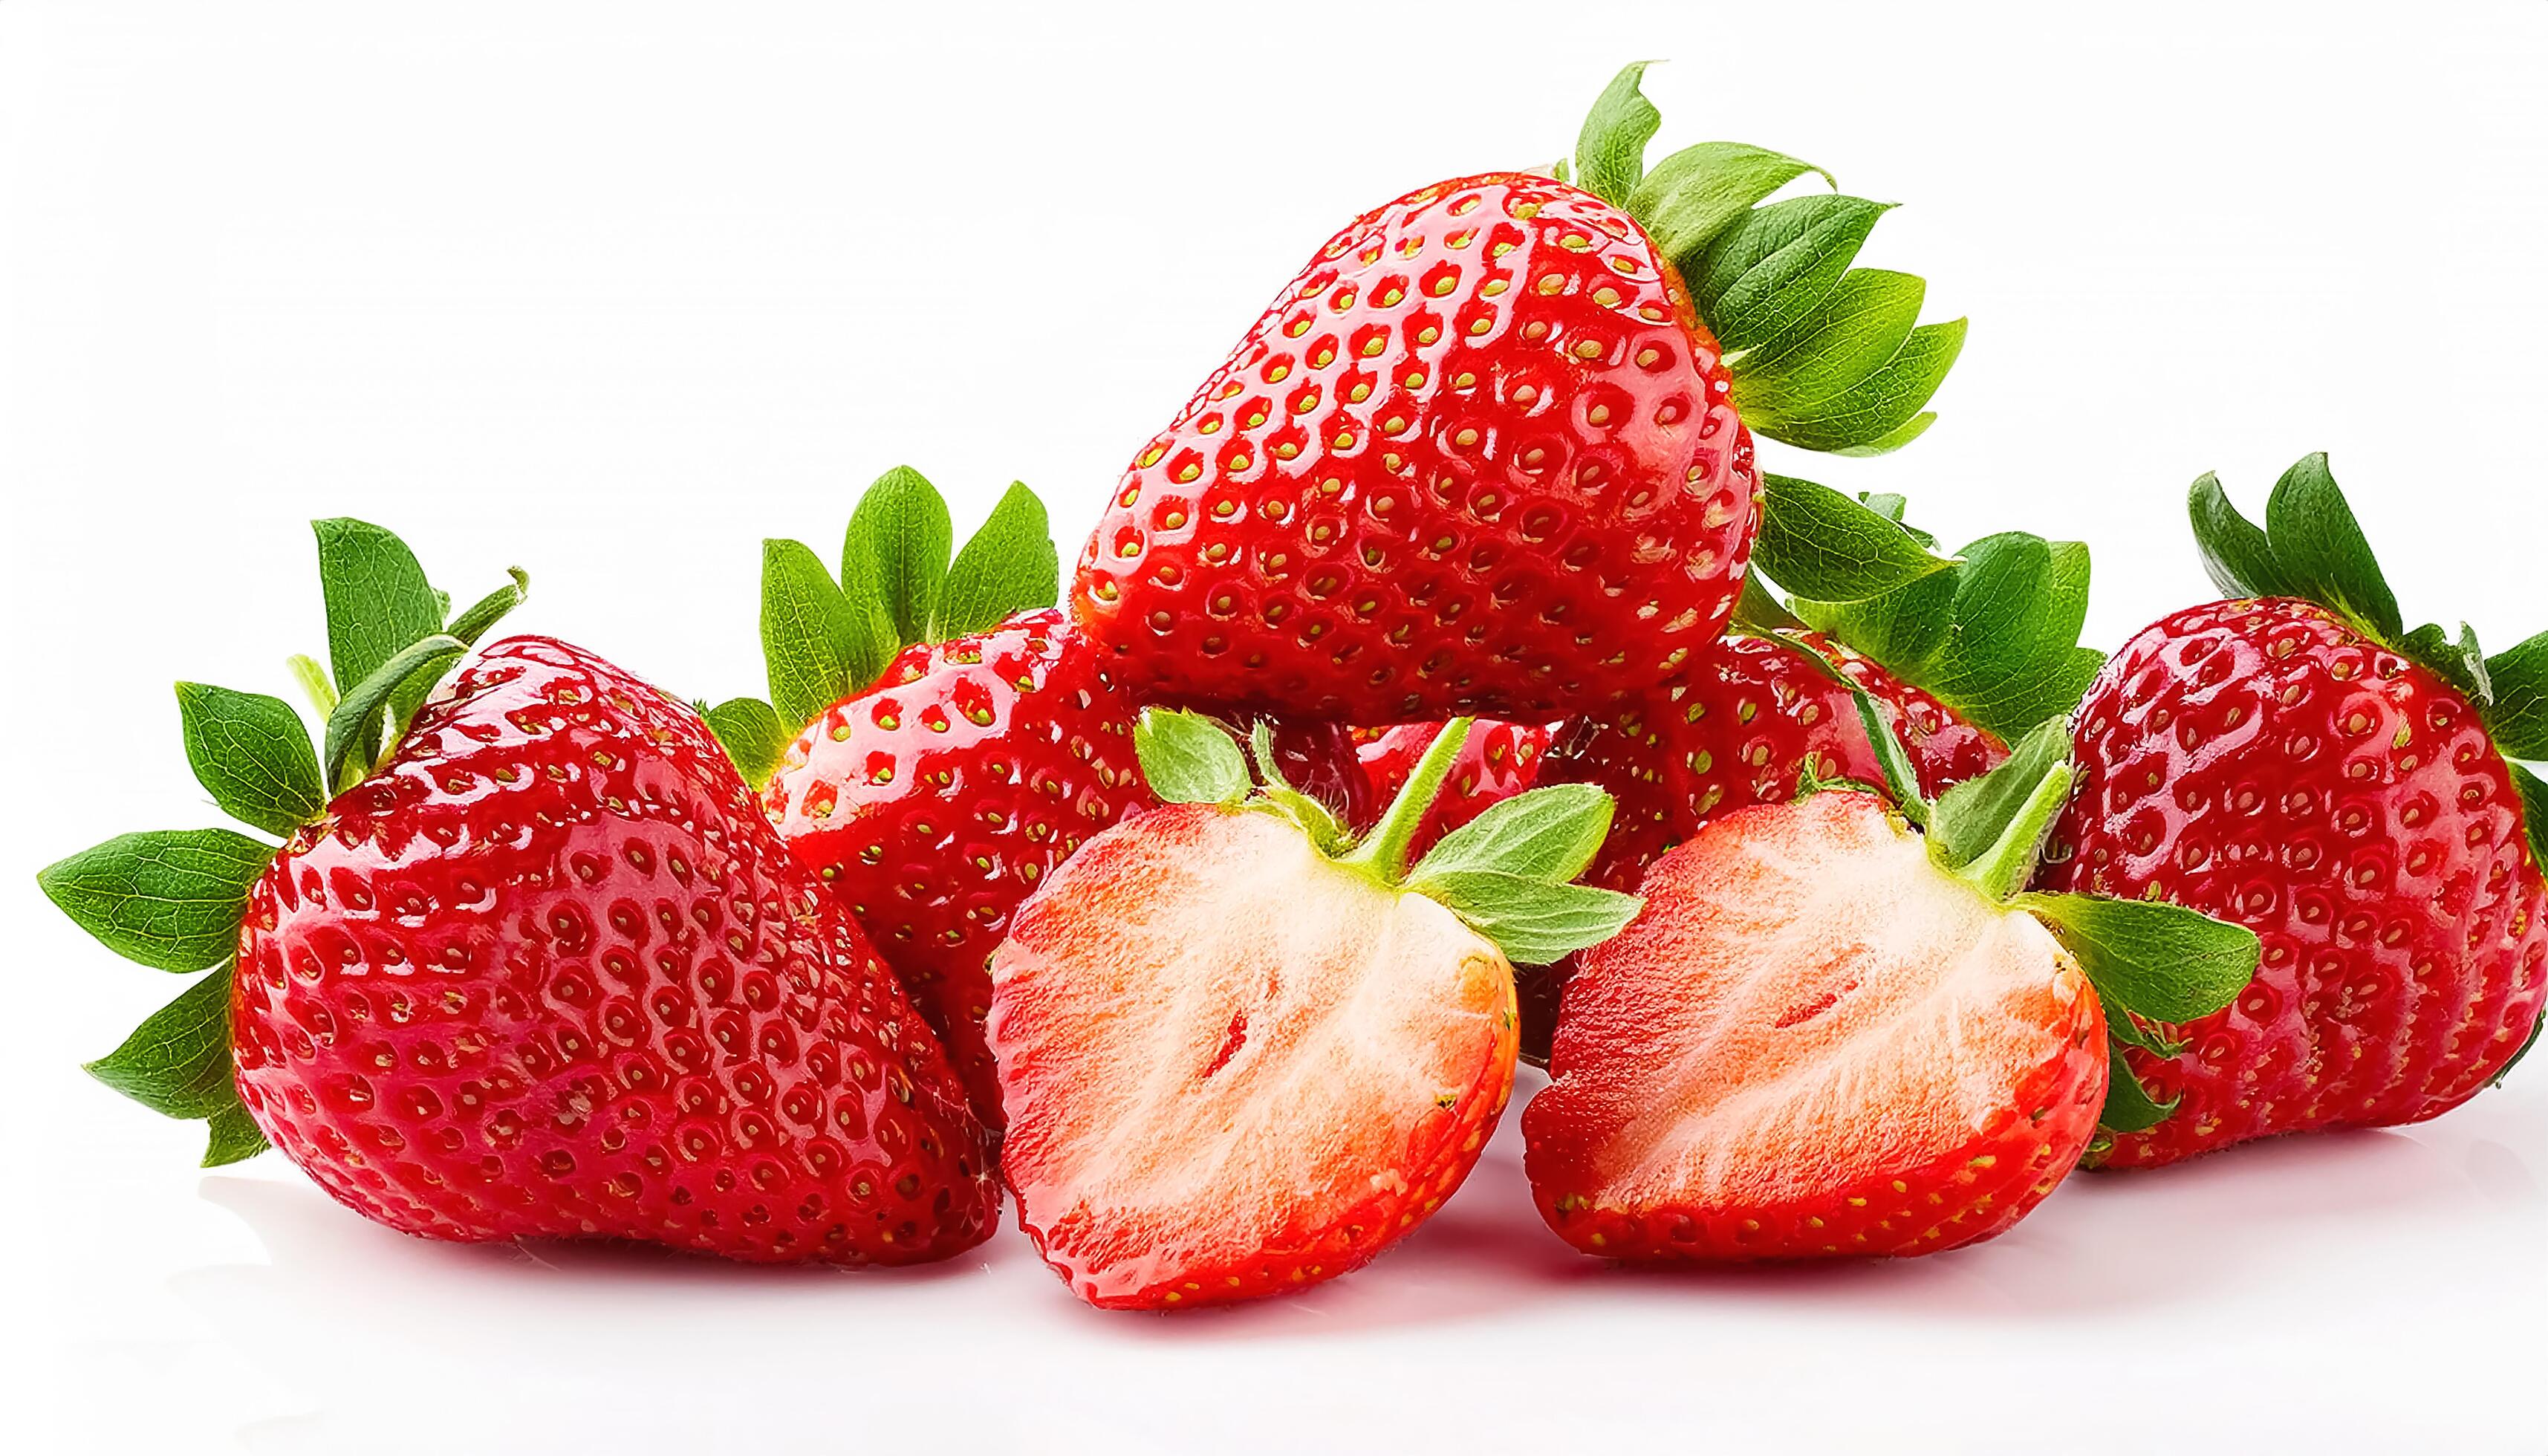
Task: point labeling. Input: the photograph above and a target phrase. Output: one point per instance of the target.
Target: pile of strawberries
(1423, 702)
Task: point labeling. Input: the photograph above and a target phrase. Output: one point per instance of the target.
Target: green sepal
(2534, 813)
(817, 646)
(170, 899)
(1383, 851)
(751, 733)
(1691, 197)
(312, 679)
(1009, 566)
(2235, 554)
(232, 1138)
(1276, 794)
(1972, 816)
(377, 600)
(1824, 546)
(896, 553)
(2128, 1106)
(177, 1062)
(1545, 834)
(2003, 868)
(1892, 761)
(2518, 716)
(1610, 153)
(252, 754)
(2458, 661)
(1769, 270)
(491, 608)
(2520, 1052)
(1533, 922)
(1188, 759)
(1758, 612)
(1882, 412)
(2131, 1031)
(2322, 551)
(2161, 962)
(353, 731)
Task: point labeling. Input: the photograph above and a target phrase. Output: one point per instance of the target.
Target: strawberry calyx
(2155, 965)
(2311, 547)
(1824, 356)
(901, 582)
(1508, 873)
(173, 900)
(1993, 633)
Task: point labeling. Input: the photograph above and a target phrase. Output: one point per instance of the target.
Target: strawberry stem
(1384, 850)
(314, 684)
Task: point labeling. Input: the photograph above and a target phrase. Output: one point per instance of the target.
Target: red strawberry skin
(936, 801)
(2264, 763)
(1323, 760)
(1740, 729)
(1497, 760)
(1478, 457)
(550, 973)
(1812, 1043)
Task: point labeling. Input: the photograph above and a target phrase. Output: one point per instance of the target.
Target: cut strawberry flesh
(1230, 1063)
(1808, 1008)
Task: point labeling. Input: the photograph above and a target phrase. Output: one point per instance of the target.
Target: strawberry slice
(1241, 1051)
(1830, 1033)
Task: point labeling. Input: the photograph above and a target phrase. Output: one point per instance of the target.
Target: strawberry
(1959, 663)
(1497, 760)
(1830, 1033)
(1243, 1051)
(2293, 759)
(527, 963)
(1487, 453)
(932, 791)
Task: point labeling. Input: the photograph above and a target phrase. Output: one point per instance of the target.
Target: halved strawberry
(1241, 1050)
(1829, 1033)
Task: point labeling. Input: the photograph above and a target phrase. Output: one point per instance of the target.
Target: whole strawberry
(2294, 760)
(1243, 1049)
(528, 961)
(1497, 761)
(932, 791)
(1959, 663)
(1839, 1028)
(1486, 452)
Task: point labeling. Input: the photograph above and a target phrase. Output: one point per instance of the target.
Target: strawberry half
(932, 791)
(1243, 1051)
(2294, 760)
(1486, 452)
(1830, 1034)
(528, 961)
(1959, 662)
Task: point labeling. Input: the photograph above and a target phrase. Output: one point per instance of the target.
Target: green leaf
(1972, 816)
(311, 678)
(1881, 413)
(1903, 629)
(2322, 550)
(170, 899)
(2014, 658)
(1859, 328)
(234, 1138)
(2160, 962)
(1008, 567)
(1188, 758)
(491, 608)
(1610, 154)
(2518, 716)
(818, 648)
(2236, 553)
(2129, 1108)
(377, 600)
(345, 756)
(1757, 609)
(252, 755)
(1384, 849)
(1823, 546)
(1545, 834)
(1690, 195)
(1533, 922)
(177, 1064)
(2458, 661)
(1772, 267)
(2534, 813)
(895, 554)
(2009, 861)
(751, 733)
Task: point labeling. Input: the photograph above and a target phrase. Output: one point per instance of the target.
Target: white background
(613, 292)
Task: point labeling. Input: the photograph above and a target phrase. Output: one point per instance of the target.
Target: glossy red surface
(550, 972)
(1479, 457)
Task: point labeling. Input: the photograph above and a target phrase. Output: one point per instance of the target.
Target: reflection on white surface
(2221, 1278)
